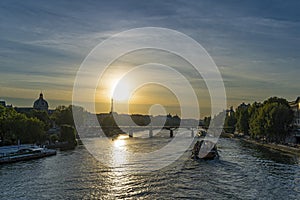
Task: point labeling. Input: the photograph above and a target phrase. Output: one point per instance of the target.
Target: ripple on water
(240, 173)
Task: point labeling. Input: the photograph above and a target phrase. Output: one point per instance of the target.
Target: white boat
(16, 153)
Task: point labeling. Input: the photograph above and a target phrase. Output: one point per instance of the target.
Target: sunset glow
(121, 91)
(163, 99)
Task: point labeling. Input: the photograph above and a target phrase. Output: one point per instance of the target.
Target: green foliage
(53, 138)
(109, 126)
(172, 121)
(33, 131)
(256, 124)
(271, 120)
(109, 121)
(277, 100)
(206, 122)
(12, 124)
(230, 122)
(42, 115)
(16, 126)
(252, 110)
(141, 120)
(64, 115)
(242, 117)
(68, 134)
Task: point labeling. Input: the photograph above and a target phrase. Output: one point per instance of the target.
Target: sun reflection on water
(120, 141)
(119, 151)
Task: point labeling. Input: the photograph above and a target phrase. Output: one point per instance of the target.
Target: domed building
(41, 103)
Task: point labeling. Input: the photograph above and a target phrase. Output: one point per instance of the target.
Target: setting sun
(121, 91)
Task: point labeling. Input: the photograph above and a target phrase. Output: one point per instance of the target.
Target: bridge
(131, 129)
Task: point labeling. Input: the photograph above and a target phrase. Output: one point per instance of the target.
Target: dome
(40, 103)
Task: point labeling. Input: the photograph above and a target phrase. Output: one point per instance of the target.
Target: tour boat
(201, 133)
(209, 150)
(24, 153)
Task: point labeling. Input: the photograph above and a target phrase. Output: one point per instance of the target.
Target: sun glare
(120, 141)
(121, 91)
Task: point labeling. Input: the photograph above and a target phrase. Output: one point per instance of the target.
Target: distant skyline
(255, 44)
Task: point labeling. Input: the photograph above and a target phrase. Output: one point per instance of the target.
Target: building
(230, 111)
(295, 134)
(23, 109)
(41, 103)
(2, 103)
(295, 105)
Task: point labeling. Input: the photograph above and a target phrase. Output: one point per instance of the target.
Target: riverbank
(61, 146)
(278, 147)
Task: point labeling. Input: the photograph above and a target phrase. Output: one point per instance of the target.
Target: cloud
(255, 43)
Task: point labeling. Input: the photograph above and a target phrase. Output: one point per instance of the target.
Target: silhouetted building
(41, 103)
(2, 103)
(112, 108)
(23, 109)
(295, 105)
(230, 111)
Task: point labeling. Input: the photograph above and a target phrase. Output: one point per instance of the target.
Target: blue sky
(255, 44)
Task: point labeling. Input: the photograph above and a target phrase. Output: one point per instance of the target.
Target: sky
(255, 44)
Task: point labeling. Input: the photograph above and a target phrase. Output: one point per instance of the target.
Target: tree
(206, 122)
(230, 122)
(33, 131)
(68, 135)
(242, 117)
(53, 138)
(16, 126)
(109, 126)
(6, 115)
(256, 124)
(277, 100)
(141, 120)
(271, 120)
(64, 115)
(277, 122)
(11, 125)
(252, 110)
(172, 121)
(42, 115)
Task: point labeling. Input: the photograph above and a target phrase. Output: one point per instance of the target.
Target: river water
(243, 171)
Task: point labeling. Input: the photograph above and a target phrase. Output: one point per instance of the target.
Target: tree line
(270, 120)
(16, 127)
(31, 127)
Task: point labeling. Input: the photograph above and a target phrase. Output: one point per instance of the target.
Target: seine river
(243, 171)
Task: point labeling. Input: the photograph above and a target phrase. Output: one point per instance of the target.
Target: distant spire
(112, 106)
(41, 95)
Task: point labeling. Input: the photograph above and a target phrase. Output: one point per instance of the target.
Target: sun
(121, 91)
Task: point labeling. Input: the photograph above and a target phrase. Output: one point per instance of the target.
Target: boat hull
(17, 158)
(209, 156)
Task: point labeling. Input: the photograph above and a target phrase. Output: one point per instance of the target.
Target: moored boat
(24, 153)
